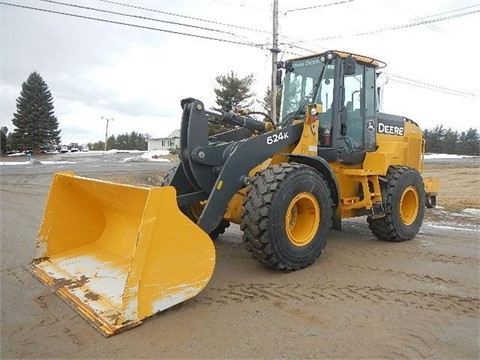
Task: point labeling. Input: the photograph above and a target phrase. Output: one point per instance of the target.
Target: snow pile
(155, 155)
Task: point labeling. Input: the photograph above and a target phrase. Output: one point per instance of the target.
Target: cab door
(360, 107)
(358, 113)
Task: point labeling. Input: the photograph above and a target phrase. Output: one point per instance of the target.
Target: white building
(171, 142)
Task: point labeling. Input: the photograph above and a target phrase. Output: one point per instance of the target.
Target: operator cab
(344, 85)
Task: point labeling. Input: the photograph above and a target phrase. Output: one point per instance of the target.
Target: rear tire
(403, 195)
(194, 211)
(287, 216)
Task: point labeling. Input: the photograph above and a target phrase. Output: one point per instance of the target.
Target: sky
(136, 74)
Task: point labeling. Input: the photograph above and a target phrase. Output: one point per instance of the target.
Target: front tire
(403, 195)
(287, 216)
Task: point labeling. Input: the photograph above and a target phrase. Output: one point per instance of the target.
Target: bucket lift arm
(217, 170)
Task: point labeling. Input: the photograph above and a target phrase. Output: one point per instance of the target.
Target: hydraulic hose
(243, 121)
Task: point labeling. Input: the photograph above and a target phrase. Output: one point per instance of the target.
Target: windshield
(303, 85)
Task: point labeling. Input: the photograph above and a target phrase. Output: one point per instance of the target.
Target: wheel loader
(134, 251)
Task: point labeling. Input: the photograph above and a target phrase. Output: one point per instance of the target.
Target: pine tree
(3, 139)
(234, 92)
(111, 143)
(469, 142)
(34, 121)
(267, 102)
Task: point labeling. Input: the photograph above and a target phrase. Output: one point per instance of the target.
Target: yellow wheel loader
(132, 251)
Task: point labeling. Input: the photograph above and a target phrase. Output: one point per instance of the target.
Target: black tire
(193, 211)
(287, 216)
(403, 195)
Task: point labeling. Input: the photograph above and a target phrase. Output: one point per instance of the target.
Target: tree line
(36, 125)
(440, 140)
(132, 141)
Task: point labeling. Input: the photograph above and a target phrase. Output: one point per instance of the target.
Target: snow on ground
(14, 163)
(115, 151)
(446, 156)
(155, 155)
(35, 162)
(447, 227)
(472, 212)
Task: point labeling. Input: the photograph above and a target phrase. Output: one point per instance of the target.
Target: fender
(323, 168)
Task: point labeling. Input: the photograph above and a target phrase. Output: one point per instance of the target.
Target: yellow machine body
(392, 150)
(119, 253)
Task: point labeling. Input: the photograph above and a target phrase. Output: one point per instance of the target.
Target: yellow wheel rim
(409, 204)
(302, 219)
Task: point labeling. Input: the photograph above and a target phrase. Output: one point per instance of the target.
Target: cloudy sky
(134, 61)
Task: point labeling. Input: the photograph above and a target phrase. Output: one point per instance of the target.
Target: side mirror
(349, 65)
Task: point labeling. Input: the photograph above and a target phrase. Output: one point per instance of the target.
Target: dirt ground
(362, 299)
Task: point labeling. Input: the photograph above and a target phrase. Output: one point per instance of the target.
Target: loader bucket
(119, 253)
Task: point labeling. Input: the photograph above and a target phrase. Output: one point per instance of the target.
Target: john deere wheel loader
(135, 251)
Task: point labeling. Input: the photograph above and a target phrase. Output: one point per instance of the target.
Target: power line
(417, 83)
(393, 4)
(185, 16)
(318, 6)
(265, 45)
(239, 5)
(396, 78)
(424, 85)
(450, 11)
(133, 25)
(135, 16)
(423, 21)
(433, 89)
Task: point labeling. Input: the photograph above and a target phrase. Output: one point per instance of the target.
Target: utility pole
(274, 50)
(106, 130)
